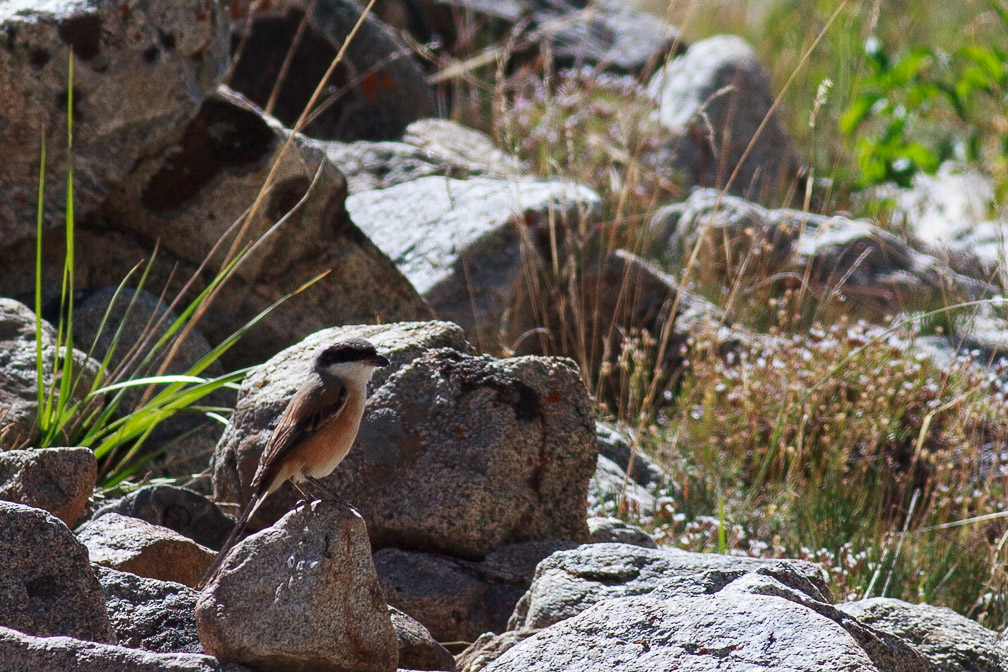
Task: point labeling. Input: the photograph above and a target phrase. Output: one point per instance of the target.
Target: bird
(315, 431)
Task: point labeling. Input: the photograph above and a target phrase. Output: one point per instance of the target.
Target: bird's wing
(314, 404)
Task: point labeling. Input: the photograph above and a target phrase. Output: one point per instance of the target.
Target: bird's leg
(306, 498)
(332, 495)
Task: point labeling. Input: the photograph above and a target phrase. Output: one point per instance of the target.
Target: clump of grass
(848, 446)
(593, 127)
(92, 406)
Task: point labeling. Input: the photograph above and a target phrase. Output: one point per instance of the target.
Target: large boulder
(466, 245)
(857, 267)
(149, 614)
(301, 595)
(953, 643)
(133, 545)
(568, 582)
(46, 583)
(753, 622)
(572, 581)
(456, 454)
(376, 91)
(205, 181)
(140, 71)
(715, 97)
(619, 607)
(26, 653)
(58, 480)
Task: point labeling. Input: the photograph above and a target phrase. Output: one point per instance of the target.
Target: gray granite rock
(58, 480)
(187, 512)
(607, 486)
(715, 97)
(501, 453)
(463, 243)
(140, 72)
(752, 622)
(616, 446)
(614, 531)
(603, 34)
(377, 90)
(26, 653)
(613, 606)
(268, 388)
(862, 269)
(429, 147)
(18, 393)
(568, 582)
(952, 643)
(456, 599)
(300, 595)
(207, 179)
(148, 614)
(155, 552)
(456, 454)
(951, 212)
(46, 583)
(417, 649)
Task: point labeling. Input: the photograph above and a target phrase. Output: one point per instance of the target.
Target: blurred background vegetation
(908, 84)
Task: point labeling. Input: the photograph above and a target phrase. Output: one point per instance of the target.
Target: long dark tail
(232, 538)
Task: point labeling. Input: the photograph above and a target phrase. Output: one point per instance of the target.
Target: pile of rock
(472, 474)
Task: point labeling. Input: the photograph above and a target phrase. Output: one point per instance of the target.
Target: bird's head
(351, 358)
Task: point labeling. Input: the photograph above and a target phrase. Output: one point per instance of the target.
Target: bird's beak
(379, 360)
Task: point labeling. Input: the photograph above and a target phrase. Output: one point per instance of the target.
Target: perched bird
(315, 431)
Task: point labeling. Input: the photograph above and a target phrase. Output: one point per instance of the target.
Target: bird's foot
(332, 496)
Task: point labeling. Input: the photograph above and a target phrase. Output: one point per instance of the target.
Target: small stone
(611, 530)
(135, 546)
(187, 512)
(18, 372)
(58, 480)
(417, 649)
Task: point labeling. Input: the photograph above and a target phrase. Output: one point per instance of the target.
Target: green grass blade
(139, 421)
(149, 380)
(42, 421)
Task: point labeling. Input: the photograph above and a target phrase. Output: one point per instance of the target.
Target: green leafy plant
(920, 107)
